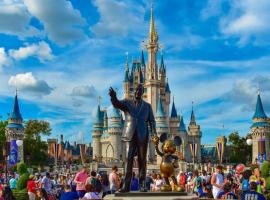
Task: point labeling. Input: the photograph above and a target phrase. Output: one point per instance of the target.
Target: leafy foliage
(240, 152)
(34, 148)
(21, 168)
(265, 169)
(22, 182)
(3, 125)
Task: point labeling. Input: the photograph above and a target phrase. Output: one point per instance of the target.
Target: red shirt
(31, 186)
(182, 180)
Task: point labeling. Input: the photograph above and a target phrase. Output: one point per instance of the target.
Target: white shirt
(219, 181)
(91, 195)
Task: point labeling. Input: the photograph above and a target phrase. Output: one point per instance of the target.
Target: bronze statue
(138, 115)
(169, 161)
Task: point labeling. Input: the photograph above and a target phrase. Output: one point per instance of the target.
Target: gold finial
(126, 60)
(99, 100)
(152, 31)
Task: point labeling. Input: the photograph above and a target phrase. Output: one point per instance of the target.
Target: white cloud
(15, 19)
(248, 20)
(41, 51)
(27, 82)
(3, 58)
(118, 18)
(61, 21)
(84, 91)
(213, 8)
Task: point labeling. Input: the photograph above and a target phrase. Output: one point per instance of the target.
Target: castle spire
(126, 78)
(16, 109)
(173, 112)
(192, 116)
(259, 112)
(182, 127)
(160, 111)
(142, 59)
(162, 66)
(153, 36)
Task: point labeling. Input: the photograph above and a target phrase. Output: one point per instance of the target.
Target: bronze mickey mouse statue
(169, 161)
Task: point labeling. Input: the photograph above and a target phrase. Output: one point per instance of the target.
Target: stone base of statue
(151, 196)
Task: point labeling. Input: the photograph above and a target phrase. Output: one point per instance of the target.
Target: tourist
(68, 194)
(206, 178)
(80, 180)
(13, 182)
(227, 192)
(94, 181)
(173, 183)
(217, 181)
(47, 183)
(252, 194)
(182, 180)
(256, 177)
(245, 181)
(31, 188)
(158, 182)
(105, 185)
(148, 181)
(197, 182)
(7, 194)
(90, 193)
(135, 186)
(114, 180)
(38, 180)
(42, 194)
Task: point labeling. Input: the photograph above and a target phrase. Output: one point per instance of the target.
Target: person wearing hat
(31, 187)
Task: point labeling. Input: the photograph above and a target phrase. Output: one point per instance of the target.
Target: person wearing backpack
(94, 181)
(245, 181)
(197, 182)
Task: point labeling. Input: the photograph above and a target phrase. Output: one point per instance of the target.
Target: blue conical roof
(126, 78)
(115, 113)
(142, 60)
(99, 116)
(192, 117)
(16, 110)
(167, 88)
(173, 112)
(259, 112)
(182, 126)
(162, 66)
(160, 111)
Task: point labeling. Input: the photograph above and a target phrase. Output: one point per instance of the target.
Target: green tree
(239, 151)
(34, 148)
(3, 125)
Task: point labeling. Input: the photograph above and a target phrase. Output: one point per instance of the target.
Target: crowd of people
(83, 185)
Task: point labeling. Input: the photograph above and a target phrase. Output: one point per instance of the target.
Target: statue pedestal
(151, 196)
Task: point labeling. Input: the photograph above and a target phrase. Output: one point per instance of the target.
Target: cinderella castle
(108, 126)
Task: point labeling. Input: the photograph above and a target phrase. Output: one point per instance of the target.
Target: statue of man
(138, 116)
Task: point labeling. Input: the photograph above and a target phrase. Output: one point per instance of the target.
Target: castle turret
(174, 121)
(127, 81)
(15, 132)
(152, 82)
(143, 65)
(97, 132)
(114, 149)
(194, 135)
(260, 131)
(167, 97)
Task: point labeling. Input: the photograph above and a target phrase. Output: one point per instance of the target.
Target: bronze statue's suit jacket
(137, 119)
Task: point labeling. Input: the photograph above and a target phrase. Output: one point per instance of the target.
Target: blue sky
(63, 54)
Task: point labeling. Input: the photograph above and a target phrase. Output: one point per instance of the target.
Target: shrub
(20, 195)
(22, 168)
(267, 187)
(22, 182)
(265, 169)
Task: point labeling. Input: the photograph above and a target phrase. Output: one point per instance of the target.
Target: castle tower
(260, 131)
(97, 132)
(127, 81)
(14, 132)
(152, 82)
(143, 65)
(167, 98)
(114, 149)
(105, 119)
(183, 134)
(161, 123)
(174, 121)
(194, 135)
